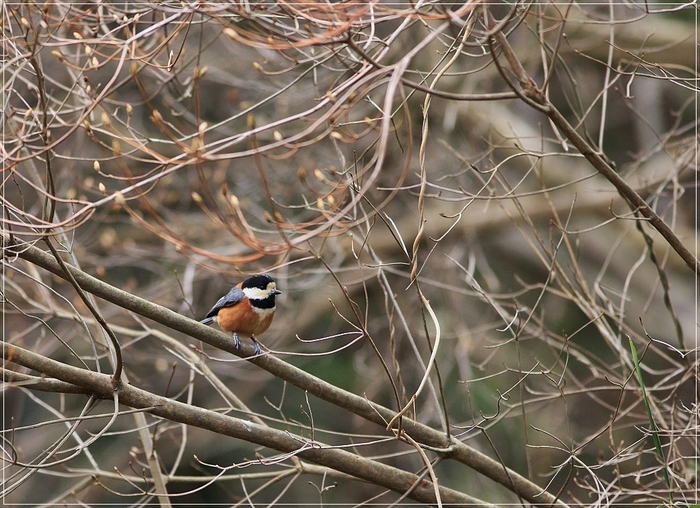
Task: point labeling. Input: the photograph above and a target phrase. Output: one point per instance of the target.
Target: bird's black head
(259, 281)
(261, 290)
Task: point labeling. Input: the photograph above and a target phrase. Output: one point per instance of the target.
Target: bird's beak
(276, 292)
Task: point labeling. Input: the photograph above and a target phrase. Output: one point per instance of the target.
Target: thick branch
(366, 469)
(41, 384)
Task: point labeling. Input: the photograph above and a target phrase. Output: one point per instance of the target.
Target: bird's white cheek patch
(256, 293)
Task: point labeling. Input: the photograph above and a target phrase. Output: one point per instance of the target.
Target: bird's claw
(237, 343)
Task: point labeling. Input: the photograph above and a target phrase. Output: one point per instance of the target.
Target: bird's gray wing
(231, 298)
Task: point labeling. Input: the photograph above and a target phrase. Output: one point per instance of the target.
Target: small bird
(247, 309)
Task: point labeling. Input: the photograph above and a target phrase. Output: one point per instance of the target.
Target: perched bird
(247, 309)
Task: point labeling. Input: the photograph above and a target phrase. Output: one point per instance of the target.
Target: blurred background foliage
(170, 149)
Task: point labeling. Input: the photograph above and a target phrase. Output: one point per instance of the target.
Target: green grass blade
(652, 424)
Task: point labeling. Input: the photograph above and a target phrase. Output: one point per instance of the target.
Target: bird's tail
(207, 320)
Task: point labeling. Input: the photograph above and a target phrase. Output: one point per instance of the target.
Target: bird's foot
(236, 340)
(256, 346)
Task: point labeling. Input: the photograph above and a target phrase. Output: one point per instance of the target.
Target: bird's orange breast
(245, 320)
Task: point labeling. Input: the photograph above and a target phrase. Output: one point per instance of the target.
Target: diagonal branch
(358, 405)
(535, 97)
